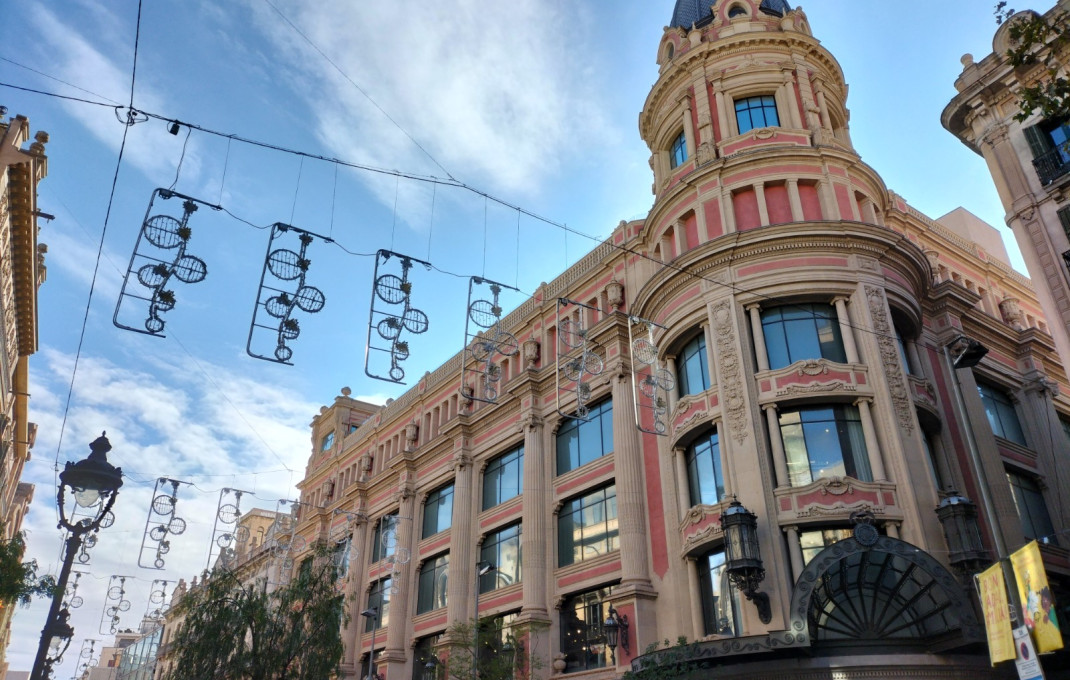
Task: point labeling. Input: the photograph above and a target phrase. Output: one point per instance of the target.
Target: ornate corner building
(1029, 162)
(22, 271)
(801, 354)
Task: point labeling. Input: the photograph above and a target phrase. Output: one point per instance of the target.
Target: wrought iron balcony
(1051, 166)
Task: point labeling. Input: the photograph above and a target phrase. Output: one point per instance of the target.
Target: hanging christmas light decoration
(90, 540)
(158, 604)
(160, 256)
(651, 383)
(87, 657)
(276, 304)
(578, 359)
(390, 315)
(115, 604)
(71, 598)
(225, 534)
(161, 523)
(285, 540)
(485, 343)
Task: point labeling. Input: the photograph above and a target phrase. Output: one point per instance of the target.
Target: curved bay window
(581, 441)
(583, 641)
(720, 608)
(502, 549)
(692, 371)
(705, 478)
(756, 112)
(432, 584)
(802, 331)
(587, 527)
(824, 441)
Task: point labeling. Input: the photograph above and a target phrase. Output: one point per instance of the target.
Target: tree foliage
(19, 581)
(501, 655)
(1039, 41)
(236, 630)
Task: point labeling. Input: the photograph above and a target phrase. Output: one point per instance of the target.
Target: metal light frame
(651, 383)
(393, 290)
(576, 358)
(94, 483)
(743, 560)
(485, 343)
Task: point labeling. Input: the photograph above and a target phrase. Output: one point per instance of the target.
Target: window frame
(1026, 492)
(495, 465)
(491, 551)
(327, 441)
(688, 358)
(441, 498)
(379, 551)
(777, 338)
(709, 598)
(600, 416)
(379, 596)
(607, 541)
(765, 103)
(1000, 411)
(845, 434)
(678, 150)
(587, 632)
(692, 457)
(829, 535)
(432, 584)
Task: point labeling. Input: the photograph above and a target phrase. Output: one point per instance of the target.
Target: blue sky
(533, 101)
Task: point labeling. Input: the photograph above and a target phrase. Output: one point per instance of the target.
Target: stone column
(760, 351)
(722, 110)
(792, 101)
(780, 459)
(711, 364)
(876, 460)
(822, 107)
(794, 200)
(763, 209)
(791, 535)
(401, 608)
(353, 596)
(846, 332)
(631, 512)
(683, 489)
(535, 530)
(695, 591)
(670, 366)
(689, 127)
(463, 531)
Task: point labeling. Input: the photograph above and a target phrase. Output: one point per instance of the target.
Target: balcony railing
(1051, 166)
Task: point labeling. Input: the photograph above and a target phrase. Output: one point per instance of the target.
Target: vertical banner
(993, 595)
(1038, 604)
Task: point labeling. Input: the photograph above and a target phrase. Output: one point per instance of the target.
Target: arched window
(678, 151)
(824, 441)
(719, 604)
(691, 367)
(802, 331)
(705, 478)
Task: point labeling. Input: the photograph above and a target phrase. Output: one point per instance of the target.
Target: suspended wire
(223, 179)
(297, 189)
(60, 96)
(484, 238)
(58, 80)
(334, 196)
(182, 158)
(393, 227)
(431, 222)
(359, 88)
(516, 283)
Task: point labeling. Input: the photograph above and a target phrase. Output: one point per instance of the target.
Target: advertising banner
(993, 593)
(1038, 605)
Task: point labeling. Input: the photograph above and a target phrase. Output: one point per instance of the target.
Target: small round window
(736, 11)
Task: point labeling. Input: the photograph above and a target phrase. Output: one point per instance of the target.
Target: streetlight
(483, 568)
(373, 614)
(616, 628)
(94, 483)
(742, 556)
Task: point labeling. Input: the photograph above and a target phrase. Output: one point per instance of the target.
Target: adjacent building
(782, 336)
(22, 165)
(1029, 161)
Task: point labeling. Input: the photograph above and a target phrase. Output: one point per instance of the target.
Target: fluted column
(683, 490)
(876, 460)
(670, 366)
(846, 332)
(631, 513)
(780, 460)
(694, 586)
(760, 352)
(795, 552)
(354, 579)
(460, 578)
(400, 607)
(535, 556)
(794, 200)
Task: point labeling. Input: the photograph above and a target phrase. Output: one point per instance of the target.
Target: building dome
(697, 12)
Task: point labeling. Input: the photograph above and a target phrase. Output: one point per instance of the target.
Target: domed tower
(800, 313)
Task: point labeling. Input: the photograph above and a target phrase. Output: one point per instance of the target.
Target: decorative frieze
(735, 400)
(893, 368)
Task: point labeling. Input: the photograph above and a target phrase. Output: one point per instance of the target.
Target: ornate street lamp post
(483, 568)
(94, 483)
(373, 614)
(742, 557)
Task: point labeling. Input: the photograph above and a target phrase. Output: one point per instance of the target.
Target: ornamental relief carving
(816, 388)
(893, 369)
(698, 513)
(686, 422)
(839, 510)
(711, 532)
(735, 404)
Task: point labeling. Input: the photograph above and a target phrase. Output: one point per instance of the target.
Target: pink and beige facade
(804, 310)
(22, 165)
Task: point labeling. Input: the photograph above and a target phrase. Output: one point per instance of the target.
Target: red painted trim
(578, 577)
(793, 262)
(580, 481)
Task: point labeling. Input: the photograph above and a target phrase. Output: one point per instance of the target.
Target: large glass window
(501, 549)
(503, 478)
(583, 641)
(431, 593)
(756, 112)
(802, 331)
(704, 477)
(587, 527)
(1001, 414)
(678, 151)
(813, 542)
(438, 511)
(340, 556)
(494, 634)
(581, 441)
(719, 605)
(423, 652)
(385, 538)
(1029, 500)
(824, 441)
(379, 596)
(691, 367)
